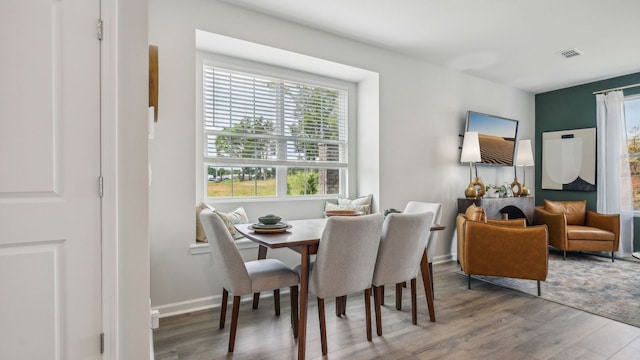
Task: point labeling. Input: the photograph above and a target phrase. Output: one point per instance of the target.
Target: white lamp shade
(470, 148)
(524, 155)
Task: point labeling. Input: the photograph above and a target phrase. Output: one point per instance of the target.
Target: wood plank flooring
(486, 322)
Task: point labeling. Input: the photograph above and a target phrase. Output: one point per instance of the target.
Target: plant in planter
(495, 191)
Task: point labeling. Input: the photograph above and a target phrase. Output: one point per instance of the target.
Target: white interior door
(50, 247)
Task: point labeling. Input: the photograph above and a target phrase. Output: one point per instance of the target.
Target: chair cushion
(237, 216)
(268, 274)
(475, 213)
(576, 232)
(574, 210)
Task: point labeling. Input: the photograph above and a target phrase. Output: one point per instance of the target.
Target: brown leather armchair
(505, 248)
(572, 227)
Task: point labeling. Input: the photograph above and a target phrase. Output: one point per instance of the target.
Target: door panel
(50, 258)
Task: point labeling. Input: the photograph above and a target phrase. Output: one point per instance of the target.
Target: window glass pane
(632, 119)
(226, 181)
(304, 181)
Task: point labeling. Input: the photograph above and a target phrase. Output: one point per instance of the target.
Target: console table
(492, 206)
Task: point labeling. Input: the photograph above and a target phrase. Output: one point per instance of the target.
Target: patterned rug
(590, 283)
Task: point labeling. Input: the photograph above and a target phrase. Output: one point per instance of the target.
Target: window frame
(261, 69)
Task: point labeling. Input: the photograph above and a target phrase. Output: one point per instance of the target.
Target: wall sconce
(524, 157)
(471, 154)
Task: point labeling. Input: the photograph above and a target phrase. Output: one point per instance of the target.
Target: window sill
(204, 248)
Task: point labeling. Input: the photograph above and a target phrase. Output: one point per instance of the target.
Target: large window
(272, 136)
(632, 119)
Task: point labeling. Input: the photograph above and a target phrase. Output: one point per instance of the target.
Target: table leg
(304, 295)
(262, 254)
(426, 281)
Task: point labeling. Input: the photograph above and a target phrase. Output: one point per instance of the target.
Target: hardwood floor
(486, 322)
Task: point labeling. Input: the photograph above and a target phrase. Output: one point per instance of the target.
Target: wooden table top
(302, 233)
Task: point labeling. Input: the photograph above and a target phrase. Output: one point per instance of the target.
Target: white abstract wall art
(569, 160)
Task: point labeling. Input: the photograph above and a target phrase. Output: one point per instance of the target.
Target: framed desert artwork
(496, 135)
(569, 160)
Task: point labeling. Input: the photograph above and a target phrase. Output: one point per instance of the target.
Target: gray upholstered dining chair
(243, 278)
(404, 237)
(436, 209)
(345, 262)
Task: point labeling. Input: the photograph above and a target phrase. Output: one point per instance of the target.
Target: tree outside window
(632, 119)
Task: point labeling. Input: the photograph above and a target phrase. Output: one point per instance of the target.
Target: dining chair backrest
(346, 255)
(404, 237)
(436, 209)
(227, 260)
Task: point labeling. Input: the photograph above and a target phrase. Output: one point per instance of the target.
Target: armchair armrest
(556, 225)
(519, 252)
(608, 222)
(510, 222)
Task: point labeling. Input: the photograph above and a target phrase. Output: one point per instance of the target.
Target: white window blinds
(251, 119)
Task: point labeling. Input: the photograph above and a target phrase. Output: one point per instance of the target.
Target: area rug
(587, 282)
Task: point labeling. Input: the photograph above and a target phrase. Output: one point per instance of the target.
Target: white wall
(408, 145)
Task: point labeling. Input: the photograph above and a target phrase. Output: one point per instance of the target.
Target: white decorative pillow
(360, 204)
(237, 216)
(201, 236)
(329, 206)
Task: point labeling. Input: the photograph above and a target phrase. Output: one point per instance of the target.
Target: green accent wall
(574, 108)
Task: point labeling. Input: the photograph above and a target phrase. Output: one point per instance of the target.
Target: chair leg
(256, 300)
(323, 326)
(344, 305)
(612, 258)
(367, 306)
(276, 300)
(431, 276)
(381, 294)
(539, 292)
(469, 281)
(377, 293)
(564, 255)
(399, 296)
(223, 307)
(414, 303)
(234, 322)
(294, 309)
(341, 305)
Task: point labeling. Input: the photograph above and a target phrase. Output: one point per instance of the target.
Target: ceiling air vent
(571, 53)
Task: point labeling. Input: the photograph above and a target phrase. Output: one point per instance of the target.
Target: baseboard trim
(442, 259)
(205, 303)
(188, 306)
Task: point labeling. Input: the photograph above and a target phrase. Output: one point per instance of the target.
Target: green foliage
(304, 182)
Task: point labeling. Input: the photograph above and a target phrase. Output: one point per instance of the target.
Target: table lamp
(471, 154)
(524, 157)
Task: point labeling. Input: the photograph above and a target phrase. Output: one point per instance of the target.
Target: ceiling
(516, 43)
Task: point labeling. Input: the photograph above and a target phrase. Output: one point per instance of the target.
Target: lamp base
(525, 191)
(516, 187)
(475, 190)
(471, 192)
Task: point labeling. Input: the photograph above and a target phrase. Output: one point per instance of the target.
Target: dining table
(303, 236)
